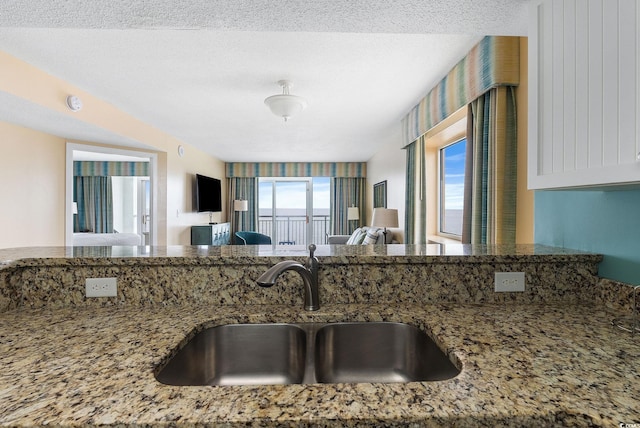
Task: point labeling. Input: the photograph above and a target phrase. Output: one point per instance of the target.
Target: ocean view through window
(452, 164)
(294, 211)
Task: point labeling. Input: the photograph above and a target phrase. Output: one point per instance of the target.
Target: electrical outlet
(101, 287)
(509, 281)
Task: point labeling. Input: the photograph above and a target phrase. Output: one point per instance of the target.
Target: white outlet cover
(101, 287)
(509, 282)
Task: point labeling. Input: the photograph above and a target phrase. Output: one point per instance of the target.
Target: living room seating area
(365, 235)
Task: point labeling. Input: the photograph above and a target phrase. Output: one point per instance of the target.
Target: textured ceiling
(498, 17)
(200, 70)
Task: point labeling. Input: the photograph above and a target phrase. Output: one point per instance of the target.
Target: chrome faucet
(308, 272)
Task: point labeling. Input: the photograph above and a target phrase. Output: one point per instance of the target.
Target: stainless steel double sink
(305, 353)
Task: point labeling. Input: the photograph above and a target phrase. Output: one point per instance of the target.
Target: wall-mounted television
(208, 194)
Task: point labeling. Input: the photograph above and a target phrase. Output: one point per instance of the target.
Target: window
(451, 183)
(294, 211)
(445, 150)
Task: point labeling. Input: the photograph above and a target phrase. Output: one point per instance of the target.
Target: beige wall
(181, 213)
(34, 163)
(32, 194)
(525, 199)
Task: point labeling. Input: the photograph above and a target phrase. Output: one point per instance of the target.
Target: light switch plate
(509, 282)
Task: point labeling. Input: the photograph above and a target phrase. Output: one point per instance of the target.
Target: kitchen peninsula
(548, 356)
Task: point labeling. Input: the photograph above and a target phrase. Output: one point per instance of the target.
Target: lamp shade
(241, 205)
(384, 217)
(353, 213)
(285, 105)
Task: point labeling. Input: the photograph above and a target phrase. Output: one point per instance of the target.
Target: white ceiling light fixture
(285, 105)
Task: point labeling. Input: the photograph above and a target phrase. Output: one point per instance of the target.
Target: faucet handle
(312, 249)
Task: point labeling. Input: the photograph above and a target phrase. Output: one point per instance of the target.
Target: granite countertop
(522, 365)
(266, 254)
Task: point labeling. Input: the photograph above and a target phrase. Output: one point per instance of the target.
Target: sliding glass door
(285, 206)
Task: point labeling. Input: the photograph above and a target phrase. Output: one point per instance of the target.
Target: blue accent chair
(252, 238)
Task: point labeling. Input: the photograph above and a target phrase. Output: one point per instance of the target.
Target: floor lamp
(240, 206)
(353, 213)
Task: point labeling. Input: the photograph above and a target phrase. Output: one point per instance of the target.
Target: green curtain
(489, 215)
(94, 197)
(243, 188)
(346, 192)
(415, 213)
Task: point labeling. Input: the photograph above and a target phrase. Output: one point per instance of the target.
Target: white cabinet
(584, 93)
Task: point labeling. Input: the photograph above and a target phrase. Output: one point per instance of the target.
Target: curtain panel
(489, 214)
(346, 192)
(94, 197)
(296, 169)
(243, 188)
(415, 213)
(493, 62)
(107, 169)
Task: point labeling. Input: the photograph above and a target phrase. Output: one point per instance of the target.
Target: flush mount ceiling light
(285, 105)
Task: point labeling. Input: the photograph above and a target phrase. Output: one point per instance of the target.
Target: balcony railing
(291, 230)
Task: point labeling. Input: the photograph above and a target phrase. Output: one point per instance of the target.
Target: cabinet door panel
(595, 83)
(569, 85)
(628, 83)
(546, 146)
(584, 65)
(610, 90)
(557, 88)
(582, 88)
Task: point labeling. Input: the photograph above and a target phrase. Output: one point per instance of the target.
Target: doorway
(294, 211)
(145, 204)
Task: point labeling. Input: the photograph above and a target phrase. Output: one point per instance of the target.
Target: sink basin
(240, 354)
(378, 352)
(271, 354)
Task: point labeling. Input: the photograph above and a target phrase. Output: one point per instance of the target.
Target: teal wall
(605, 222)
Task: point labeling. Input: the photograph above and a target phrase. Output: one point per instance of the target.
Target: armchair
(252, 238)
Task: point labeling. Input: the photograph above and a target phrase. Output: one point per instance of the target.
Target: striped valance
(296, 169)
(494, 61)
(115, 169)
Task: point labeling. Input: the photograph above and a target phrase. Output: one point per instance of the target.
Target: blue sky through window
(452, 187)
(291, 194)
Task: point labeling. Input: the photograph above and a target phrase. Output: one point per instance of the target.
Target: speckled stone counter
(55, 277)
(522, 365)
(544, 357)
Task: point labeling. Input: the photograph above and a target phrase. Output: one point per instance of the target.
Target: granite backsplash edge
(550, 278)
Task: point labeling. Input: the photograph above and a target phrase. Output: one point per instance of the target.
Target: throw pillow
(356, 237)
(371, 236)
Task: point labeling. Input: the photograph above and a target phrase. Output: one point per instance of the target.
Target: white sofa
(362, 236)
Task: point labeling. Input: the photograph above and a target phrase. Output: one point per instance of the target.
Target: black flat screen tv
(208, 194)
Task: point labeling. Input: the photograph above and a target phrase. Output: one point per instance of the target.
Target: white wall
(389, 163)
